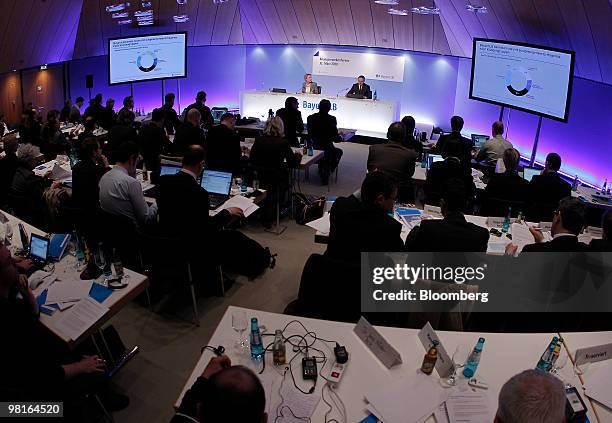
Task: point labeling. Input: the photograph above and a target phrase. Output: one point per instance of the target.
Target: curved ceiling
(63, 29)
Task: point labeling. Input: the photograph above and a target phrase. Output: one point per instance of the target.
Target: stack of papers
(321, 224)
(68, 291)
(469, 407)
(597, 384)
(247, 205)
(521, 235)
(79, 318)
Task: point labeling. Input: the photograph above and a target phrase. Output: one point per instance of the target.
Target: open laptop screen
(529, 172)
(479, 140)
(216, 182)
(432, 158)
(169, 170)
(39, 247)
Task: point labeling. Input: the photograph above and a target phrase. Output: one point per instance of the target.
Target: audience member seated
(568, 221)
(223, 151)
(3, 127)
(271, 157)
(153, 140)
(442, 171)
(364, 224)
(86, 175)
(95, 110)
(188, 133)
(453, 233)
(292, 120)
(121, 133)
(29, 129)
(89, 125)
(505, 188)
(75, 111)
(465, 146)
(109, 117)
(547, 189)
(65, 112)
(206, 116)
(409, 140)
(604, 244)
(128, 105)
(121, 193)
(531, 397)
(495, 147)
(34, 365)
(171, 120)
(56, 142)
(395, 159)
(8, 166)
(224, 393)
(323, 130)
(27, 189)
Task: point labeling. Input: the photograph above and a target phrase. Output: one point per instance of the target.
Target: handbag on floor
(307, 208)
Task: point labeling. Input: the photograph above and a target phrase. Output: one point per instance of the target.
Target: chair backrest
(318, 89)
(170, 160)
(499, 207)
(540, 212)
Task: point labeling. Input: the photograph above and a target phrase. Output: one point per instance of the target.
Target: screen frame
(516, 43)
(43, 238)
(144, 80)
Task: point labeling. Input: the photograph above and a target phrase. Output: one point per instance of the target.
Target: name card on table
(432, 211)
(495, 222)
(444, 364)
(545, 226)
(595, 232)
(388, 355)
(593, 354)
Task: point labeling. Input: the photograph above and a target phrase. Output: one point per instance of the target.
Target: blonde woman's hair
(275, 127)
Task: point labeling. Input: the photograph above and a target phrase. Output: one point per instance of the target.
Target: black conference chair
(540, 212)
(499, 207)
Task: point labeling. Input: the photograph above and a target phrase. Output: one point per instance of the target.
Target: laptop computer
(39, 250)
(432, 158)
(168, 169)
(218, 184)
(217, 112)
(529, 172)
(479, 140)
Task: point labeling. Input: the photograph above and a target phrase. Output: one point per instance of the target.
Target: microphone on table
(343, 90)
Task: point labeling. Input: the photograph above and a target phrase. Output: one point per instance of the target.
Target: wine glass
(239, 324)
(100, 261)
(8, 233)
(459, 358)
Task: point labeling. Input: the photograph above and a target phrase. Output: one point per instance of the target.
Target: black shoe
(114, 402)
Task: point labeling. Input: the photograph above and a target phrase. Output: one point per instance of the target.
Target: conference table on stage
(504, 355)
(367, 117)
(66, 270)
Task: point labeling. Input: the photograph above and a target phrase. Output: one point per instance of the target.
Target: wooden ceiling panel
(383, 26)
(289, 21)
(224, 23)
(343, 17)
(490, 23)
(470, 20)
(459, 30)
(307, 22)
(423, 29)
(191, 10)
(38, 19)
(530, 21)
(272, 21)
(599, 14)
(403, 31)
(454, 46)
(507, 19)
(236, 34)
(440, 44)
(11, 55)
(362, 19)
(251, 14)
(325, 21)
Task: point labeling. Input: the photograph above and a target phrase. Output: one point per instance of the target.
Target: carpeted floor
(170, 343)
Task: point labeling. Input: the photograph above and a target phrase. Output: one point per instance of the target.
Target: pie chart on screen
(518, 81)
(146, 61)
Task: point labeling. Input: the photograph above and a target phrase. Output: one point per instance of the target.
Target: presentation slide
(530, 78)
(147, 57)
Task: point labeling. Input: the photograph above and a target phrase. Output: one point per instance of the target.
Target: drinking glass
(239, 324)
(8, 233)
(459, 358)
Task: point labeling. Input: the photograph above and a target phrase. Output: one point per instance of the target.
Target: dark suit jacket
(109, 117)
(548, 188)
(453, 233)
(96, 111)
(8, 167)
(394, 159)
(557, 245)
(507, 186)
(207, 117)
(292, 120)
(355, 92)
(223, 150)
(412, 143)
(356, 228)
(153, 142)
(186, 135)
(600, 245)
(269, 154)
(85, 179)
(183, 207)
(442, 171)
(171, 120)
(29, 189)
(119, 134)
(323, 129)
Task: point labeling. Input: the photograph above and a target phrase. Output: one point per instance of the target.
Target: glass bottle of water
(256, 343)
(474, 359)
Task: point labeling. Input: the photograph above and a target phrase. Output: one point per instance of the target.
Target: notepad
(74, 322)
(468, 407)
(521, 235)
(597, 384)
(67, 291)
(321, 224)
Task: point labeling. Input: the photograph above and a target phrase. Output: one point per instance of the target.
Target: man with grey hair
(531, 397)
(189, 132)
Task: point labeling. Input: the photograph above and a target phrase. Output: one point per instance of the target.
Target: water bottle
(575, 184)
(310, 149)
(278, 349)
(473, 359)
(117, 265)
(543, 363)
(374, 97)
(424, 161)
(255, 182)
(244, 186)
(603, 189)
(270, 113)
(506, 224)
(78, 249)
(256, 343)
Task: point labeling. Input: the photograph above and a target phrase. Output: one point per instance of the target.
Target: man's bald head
(236, 396)
(194, 116)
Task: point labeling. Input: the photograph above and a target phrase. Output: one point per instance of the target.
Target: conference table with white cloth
(367, 117)
(66, 270)
(504, 355)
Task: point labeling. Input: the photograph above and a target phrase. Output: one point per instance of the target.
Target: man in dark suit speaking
(360, 89)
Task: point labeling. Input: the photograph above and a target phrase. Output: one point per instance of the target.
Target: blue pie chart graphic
(146, 61)
(518, 81)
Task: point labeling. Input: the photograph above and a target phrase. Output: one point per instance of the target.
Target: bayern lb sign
(382, 67)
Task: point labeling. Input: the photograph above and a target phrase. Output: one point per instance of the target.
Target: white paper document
(597, 383)
(66, 291)
(59, 173)
(410, 400)
(321, 224)
(521, 235)
(296, 406)
(247, 205)
(74, 322)
(468, 407)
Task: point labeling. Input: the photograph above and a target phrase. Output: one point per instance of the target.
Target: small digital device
(279, 90)
(479, 140)
(335, 373)
(433, 158)
(169, 170)
(478, 383)
(309, 368)
(217, 112)
(340, 353)
(575, 409)
(529, 172)
(218, 185)
(39, 249)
